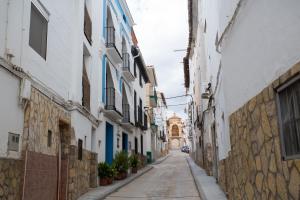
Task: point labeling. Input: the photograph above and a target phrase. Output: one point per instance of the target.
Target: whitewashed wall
(263, 44)
(11, 113)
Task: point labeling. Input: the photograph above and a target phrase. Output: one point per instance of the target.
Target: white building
(242, 51)
(74, 84)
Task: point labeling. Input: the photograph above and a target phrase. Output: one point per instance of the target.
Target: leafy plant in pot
(134, 162)
(106, 174)
(121, 165)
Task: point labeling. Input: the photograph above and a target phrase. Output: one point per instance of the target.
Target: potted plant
(105, 173)
(121, 165)
(134, 162)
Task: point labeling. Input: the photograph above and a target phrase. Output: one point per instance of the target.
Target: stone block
(294, 183)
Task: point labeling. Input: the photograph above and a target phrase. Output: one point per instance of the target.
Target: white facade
(60, 73)
(239, 47)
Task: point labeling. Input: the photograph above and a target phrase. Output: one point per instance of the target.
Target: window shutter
(85, 89)
(87, 25)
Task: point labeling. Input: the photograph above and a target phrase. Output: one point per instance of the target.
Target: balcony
(111, 46)
(145, 125)
(113, 105)
(126, 122)
(126, 67)
(140, 117)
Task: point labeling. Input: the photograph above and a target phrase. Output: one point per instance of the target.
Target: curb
(206, 185)
(198, 185)
(161, 160)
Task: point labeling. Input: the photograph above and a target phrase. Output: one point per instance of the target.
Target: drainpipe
(6, 27)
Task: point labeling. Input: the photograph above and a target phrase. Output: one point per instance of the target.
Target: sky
(162, 27)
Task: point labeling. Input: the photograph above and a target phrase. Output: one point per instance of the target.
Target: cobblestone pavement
(170, 179)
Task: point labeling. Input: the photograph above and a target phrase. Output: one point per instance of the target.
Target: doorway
(109, 143)
(125, 142)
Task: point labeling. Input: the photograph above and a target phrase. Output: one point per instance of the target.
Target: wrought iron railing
(110, 37)
(126, 113)
(126, 62)
(110, 99)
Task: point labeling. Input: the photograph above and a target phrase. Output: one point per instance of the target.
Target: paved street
(170, 179)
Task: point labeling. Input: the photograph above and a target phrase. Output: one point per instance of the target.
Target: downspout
(6, 27)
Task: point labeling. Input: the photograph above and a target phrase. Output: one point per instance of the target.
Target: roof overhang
(140, 62)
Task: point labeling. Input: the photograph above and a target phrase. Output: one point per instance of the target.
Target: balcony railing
(126, 113)
(145, 126)
(110, 99)
(126, 62)
(87, 26)
(110, 37)
(140, 116)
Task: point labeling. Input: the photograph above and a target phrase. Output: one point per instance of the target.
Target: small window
(13, 142)
(205, 26)
(49, 138)
(141, 79)
(135, 74)
(288, 97)
(124, 18)
(38, 31)
(79, 149)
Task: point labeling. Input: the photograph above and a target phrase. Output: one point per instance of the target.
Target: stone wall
(43, 115)
(82, 173)
(11, 179)
(255, 164)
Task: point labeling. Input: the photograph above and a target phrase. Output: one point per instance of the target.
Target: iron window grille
(288, 103)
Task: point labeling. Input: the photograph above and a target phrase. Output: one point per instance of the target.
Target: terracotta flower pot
(134, 170)
(121, 176)
(105, 181)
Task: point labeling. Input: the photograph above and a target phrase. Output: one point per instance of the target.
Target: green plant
(120, 162)
(134, 161)
(105, 170)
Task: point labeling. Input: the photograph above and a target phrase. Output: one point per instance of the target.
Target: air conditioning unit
(25, 90)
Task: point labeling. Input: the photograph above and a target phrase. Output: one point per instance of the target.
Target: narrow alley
(150, 99)
(171, 179)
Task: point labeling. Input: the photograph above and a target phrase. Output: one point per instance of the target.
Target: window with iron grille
(38, 31)
(288, 99)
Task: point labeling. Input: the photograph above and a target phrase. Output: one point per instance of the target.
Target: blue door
(109, 144)
(125, 142)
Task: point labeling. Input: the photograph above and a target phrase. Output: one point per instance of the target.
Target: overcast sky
(162, 27)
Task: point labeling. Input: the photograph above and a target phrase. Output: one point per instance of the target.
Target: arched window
(175, 131)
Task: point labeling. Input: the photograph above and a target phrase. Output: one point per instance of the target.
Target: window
(135, 74)
(205, 26)
(13, 142)
(87, 25)
(135, 104)
(141, 80)
(38, 31)
(86, 89)
(49, 138)
(79, 149)
(288, 98)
